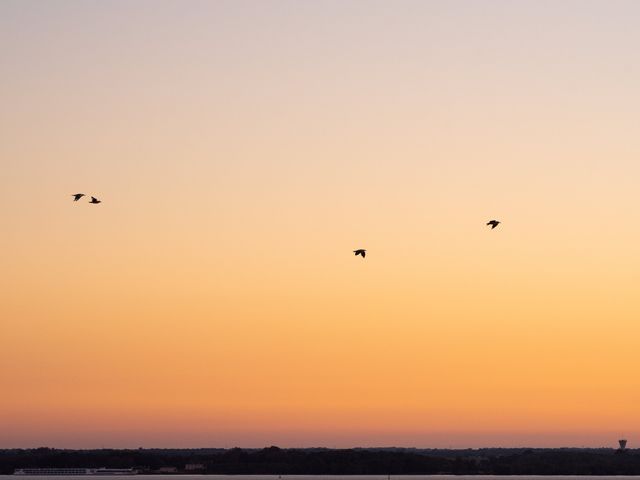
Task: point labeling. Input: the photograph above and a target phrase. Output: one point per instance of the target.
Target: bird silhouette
(360, 252)
(493, 223)
(94, 200)
(77, 196)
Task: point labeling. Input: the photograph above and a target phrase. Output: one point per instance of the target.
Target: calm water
(319, 477)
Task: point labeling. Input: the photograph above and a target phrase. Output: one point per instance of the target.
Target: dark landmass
(320, 461)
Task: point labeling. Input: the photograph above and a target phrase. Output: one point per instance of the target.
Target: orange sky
(242, 150)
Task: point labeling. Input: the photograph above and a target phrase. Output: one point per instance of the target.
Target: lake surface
(318, 477)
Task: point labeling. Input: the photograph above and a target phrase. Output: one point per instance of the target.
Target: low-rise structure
(167, 470)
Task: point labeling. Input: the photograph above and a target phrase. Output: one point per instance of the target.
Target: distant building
(193, 467)
(56, 471)
(167, 470)
(50, 471)
(623, 444)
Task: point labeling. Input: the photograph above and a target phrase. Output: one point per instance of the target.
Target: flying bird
(77, 196)
(95, 200)
(360, 252)
(493, 223)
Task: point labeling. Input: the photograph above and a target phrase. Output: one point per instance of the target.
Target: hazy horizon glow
(243, 149)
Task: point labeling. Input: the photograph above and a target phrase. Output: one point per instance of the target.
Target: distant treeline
(393, 461)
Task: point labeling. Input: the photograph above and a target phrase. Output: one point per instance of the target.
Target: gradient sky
(243, 149)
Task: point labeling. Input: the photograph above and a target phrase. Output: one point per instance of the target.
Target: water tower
(623, 444)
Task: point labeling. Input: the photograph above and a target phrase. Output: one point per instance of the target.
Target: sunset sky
(243, 149)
